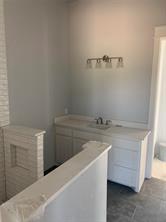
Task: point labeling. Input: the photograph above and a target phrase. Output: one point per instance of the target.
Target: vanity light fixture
(109, 64)
(89, 64)
(98, 63)
(107, 60)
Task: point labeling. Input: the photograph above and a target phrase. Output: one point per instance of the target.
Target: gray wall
(117, 28)
(37, 65)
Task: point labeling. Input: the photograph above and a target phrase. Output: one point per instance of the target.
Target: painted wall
(116, 28)
(36, 52)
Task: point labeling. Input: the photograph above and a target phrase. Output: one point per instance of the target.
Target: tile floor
(124, 205)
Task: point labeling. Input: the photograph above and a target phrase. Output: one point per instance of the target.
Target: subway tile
(28, 159)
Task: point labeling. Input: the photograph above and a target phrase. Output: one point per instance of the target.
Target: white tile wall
(23, 158)
(4, 102)
(2, 170)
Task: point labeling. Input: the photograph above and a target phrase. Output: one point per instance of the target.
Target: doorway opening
(159, 161)
(157, 116)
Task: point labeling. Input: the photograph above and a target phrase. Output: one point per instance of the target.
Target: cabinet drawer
(122, 175)
(86, 135)
(130, 145)
(125, 158)
(63, 131)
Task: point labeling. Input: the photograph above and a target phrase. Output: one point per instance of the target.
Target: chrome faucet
(99, 120)
(108, 122)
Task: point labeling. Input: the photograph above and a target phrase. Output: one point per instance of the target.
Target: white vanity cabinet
(127, 158)
(127, 162)
(64, 144)
(64, 148)
(69, 142)
(77, 145)
(82, 137)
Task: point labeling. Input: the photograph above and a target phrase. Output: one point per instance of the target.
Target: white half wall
(116, 28)
(84, 200)
(76, 191)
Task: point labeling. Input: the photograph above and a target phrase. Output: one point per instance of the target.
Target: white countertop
(113, 131)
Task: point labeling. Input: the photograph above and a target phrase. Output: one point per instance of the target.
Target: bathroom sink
(99, 126)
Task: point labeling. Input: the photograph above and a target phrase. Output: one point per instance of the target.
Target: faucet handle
(97, 120)
(108, 122)
(101, 119)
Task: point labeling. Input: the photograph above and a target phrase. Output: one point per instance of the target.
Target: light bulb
(98, 64)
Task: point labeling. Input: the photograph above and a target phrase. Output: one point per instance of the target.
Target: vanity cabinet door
(77, 145)
(64, 148)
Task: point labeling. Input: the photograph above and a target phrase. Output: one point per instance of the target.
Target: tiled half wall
(4, 101)
(23, 158)
(2, 170)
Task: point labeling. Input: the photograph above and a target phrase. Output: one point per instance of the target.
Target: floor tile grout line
(133, 214)
(142, 203)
